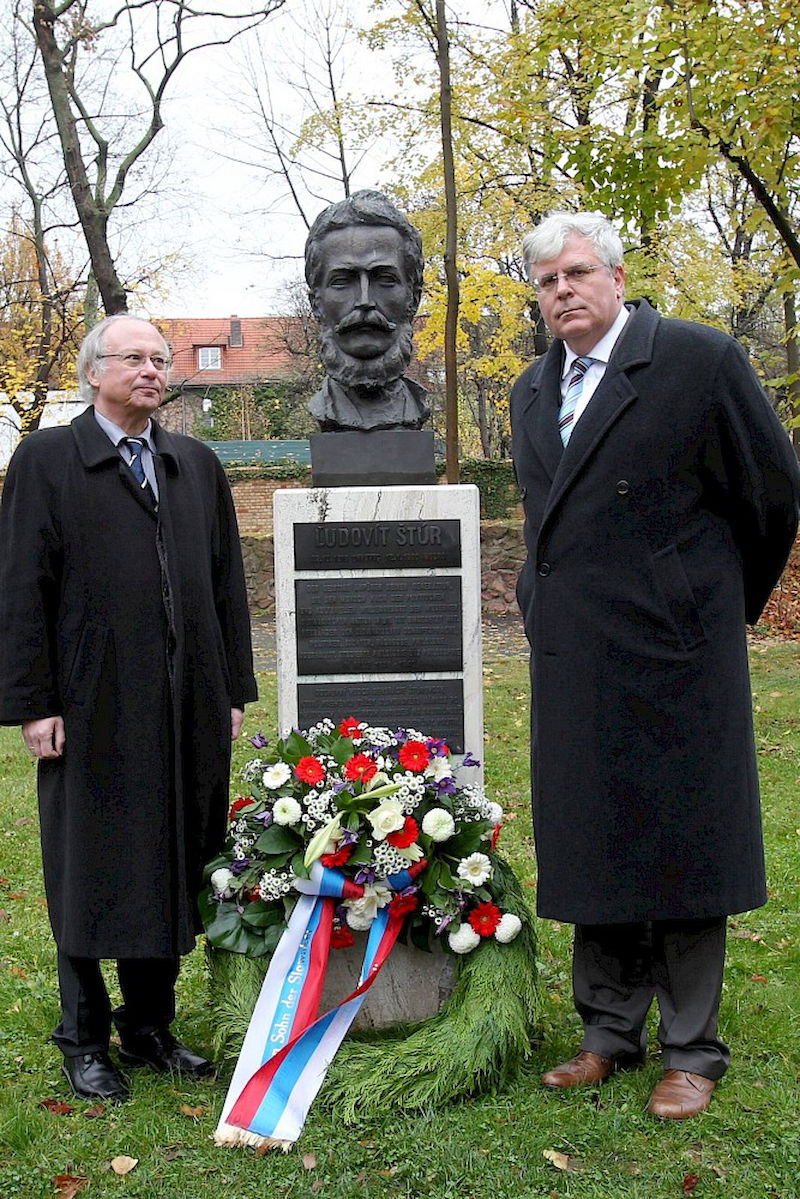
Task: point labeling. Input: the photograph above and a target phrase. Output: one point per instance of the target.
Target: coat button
(623, 487)
(544, 569)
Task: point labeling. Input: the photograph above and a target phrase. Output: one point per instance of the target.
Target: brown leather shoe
(680, 1094)
(582, 1070)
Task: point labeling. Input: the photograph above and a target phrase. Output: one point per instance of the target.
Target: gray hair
(547, 240)
(89, 355)
(366, 208)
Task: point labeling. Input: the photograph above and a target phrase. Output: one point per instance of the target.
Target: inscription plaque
(435, 705)
(384, 545)
(379, 626)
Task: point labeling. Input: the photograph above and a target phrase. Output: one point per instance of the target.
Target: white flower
(508, 928)
(464, 939)
(494, 813)
(286, 810)
(475, 869)
(221, 880)
(438, 824)
(361, 912)
(387, 818)
(438, 769)
(275, 776)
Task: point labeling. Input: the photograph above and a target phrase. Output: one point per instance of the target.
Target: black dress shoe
(162, 1052)
(94, 1076)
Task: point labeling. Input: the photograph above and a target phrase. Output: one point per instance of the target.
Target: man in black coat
(661, 503)
(126, 659)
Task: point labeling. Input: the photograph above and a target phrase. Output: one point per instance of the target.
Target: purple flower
(239, 865)
(259, 741)
(443, 924)
(437, 747)
(446, 786)
(366, 875)
(265, 817)
(469, 760)
(348, 837)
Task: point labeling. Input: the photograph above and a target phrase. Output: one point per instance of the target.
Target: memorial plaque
(379, 545)
(379, 626)
(435, 705)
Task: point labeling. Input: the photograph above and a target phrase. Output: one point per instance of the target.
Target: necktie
(566, 415)
(136, 447)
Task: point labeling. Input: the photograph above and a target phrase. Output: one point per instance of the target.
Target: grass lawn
(491, 1147)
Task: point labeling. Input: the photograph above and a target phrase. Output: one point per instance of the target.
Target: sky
(241, 232)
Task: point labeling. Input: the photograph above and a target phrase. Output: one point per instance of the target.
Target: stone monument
(377, 569)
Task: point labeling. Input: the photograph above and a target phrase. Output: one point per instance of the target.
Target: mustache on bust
(365, 320)
(367, 374)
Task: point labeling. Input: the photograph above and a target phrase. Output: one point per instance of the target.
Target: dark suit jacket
(652, 539)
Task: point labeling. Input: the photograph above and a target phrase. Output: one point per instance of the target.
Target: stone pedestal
(411, 986)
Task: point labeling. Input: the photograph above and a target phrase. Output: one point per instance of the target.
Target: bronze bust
(364, 272)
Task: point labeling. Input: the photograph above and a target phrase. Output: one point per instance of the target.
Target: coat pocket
(678, 596)
(81, 679)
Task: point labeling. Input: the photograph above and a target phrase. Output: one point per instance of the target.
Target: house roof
(251, 348)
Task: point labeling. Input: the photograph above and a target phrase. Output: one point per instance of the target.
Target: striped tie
(136, 447)
(566, 415)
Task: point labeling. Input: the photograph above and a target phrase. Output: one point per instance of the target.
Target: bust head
(364, 269)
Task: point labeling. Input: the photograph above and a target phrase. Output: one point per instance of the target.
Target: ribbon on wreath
(287, 1050)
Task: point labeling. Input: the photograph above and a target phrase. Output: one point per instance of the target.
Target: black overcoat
(652, 538)
(134, 628)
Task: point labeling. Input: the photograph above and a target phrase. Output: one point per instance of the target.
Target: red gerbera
(414, 755)
(338, 858)
(401, 905)
(310, 770)
(350, 727)
(341, 937)
(404, 836)
(237, 806)
(485, 918)
(360, 768)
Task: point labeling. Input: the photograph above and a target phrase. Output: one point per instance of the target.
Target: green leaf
(263, 914)
(278, 838)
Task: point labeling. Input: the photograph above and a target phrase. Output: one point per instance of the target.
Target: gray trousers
(617, 971)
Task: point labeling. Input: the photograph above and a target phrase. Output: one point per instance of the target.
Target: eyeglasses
(573, 274)
(136, 361)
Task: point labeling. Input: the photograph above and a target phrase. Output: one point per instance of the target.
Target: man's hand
(237, 716)
(45, 738)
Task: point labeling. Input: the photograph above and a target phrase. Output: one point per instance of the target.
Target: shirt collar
(602, 351)
(117, 435)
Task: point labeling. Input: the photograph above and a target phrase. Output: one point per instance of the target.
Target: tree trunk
(792, 365)
(450, 271)
(93, 219)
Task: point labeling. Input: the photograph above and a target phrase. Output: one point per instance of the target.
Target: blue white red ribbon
(287, 1051)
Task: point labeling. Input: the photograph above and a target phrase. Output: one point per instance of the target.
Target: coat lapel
(615, 393)
(540, 413)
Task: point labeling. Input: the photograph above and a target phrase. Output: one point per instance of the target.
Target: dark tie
(136, 447)
(566, 415)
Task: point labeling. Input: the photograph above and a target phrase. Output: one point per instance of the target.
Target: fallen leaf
(68, 1185)
(57, 1106)
(92, 1113)
(23, 820)
(4, 915)
(194, 1112)
(173, 1152)
(16, 894)
(390, 1173)
(123, 1164)
(18, 972)
(317, 1184)
(758, 978)
(690, 1181)
(309, 1161)
(559, 1160)
(745, 934)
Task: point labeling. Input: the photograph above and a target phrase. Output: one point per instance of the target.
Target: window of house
(209, 358)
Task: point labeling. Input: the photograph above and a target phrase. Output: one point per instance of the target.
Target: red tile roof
(262, 354)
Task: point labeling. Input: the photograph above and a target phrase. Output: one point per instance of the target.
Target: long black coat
(652, 538)
(135, 629)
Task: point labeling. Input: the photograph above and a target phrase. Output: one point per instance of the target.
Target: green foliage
(497, 484)
(260, 412)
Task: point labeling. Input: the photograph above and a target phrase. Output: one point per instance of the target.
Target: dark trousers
(618, 969)
(148, 1001)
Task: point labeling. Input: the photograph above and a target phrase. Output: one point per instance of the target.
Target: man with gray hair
(364, 270)
(126, 659)
(661, 503)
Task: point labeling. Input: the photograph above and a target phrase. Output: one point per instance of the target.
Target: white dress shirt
(600, 355)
